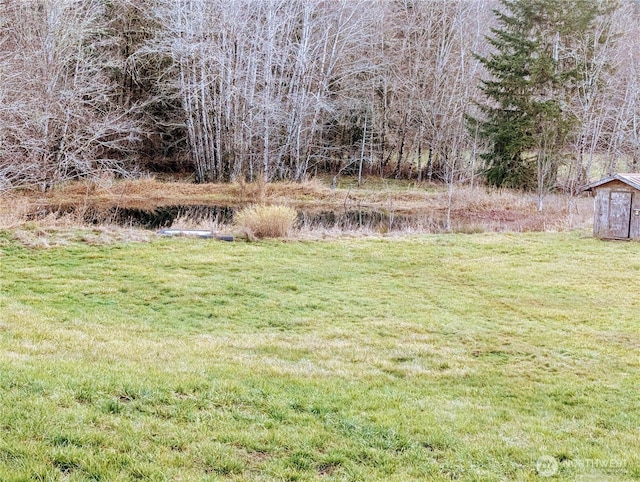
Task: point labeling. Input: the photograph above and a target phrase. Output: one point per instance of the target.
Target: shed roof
(632, 180)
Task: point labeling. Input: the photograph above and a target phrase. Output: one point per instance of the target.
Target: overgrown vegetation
(49, 218)
(231, 90)
(464, 357)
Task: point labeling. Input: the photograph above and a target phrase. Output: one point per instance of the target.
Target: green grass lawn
(441, 357)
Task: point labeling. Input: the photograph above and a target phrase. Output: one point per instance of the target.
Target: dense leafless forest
(284, 89)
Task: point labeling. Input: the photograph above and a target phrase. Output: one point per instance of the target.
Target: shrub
(267, 221)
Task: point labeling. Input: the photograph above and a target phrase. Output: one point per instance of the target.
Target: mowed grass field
(444, 357)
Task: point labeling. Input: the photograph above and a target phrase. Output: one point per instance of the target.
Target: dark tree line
(529, 94)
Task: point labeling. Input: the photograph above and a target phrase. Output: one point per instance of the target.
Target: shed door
(619, 214)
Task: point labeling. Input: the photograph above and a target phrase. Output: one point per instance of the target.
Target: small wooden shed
(617, 207)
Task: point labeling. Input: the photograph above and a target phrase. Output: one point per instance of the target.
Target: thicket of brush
(225, 90)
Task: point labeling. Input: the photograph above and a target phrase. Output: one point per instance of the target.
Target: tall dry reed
(267, 221)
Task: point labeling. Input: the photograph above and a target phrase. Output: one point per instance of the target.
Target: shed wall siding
(600, 221)
(635, 217)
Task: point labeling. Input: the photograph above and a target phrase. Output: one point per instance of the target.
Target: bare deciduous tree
(60, 118)
(280, 89)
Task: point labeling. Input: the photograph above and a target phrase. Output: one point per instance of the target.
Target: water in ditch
(205, 216)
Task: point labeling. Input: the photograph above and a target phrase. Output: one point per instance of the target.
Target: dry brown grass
(473, 210)
(14, 210)
(505, 210)
(19, 215)
(35, 235)
(150, 191)
(267, 221)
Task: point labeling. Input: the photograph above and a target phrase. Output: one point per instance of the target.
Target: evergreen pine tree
(532, 78)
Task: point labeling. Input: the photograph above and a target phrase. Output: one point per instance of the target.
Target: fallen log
(194, 233)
